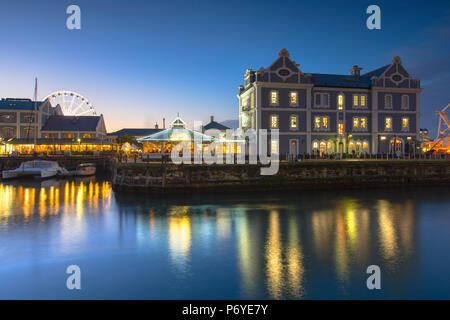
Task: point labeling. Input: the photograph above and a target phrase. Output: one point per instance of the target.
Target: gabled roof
(19, 104)
(215, 125)
(135, 132)
(72, 123)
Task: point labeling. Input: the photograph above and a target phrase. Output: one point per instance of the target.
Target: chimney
(356, 71)
(212, 118)
(164, 123)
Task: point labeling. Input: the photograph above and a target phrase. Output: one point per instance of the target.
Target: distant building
(213, 125)
(27, 126)
(134, 132)
(23, 118)
(375, 112)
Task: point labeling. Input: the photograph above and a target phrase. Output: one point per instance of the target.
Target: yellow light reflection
(179, 241)
(274, 263)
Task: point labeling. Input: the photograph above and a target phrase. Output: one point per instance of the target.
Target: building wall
(394, 81)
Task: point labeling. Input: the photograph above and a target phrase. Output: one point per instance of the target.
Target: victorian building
(373, 112)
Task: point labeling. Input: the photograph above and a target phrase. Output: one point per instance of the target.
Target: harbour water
(298, 245)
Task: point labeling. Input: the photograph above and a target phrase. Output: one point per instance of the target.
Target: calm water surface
(305, 244)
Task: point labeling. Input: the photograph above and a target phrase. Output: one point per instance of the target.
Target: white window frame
(290, 98)
(385, 101)
(392, 124)
(270, 121)
(270, 98)
(296, 122)
(359, 129)
(322, 105)
(322, 128)
(359, 106)
(407, 128)
(406, 107)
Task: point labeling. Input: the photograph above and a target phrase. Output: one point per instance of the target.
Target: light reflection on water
(308, 245)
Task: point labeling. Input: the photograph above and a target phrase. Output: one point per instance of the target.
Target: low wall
(308, 174)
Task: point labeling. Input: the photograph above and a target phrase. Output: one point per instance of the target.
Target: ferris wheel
(71, 103)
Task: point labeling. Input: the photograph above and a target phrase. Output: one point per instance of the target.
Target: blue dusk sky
(140, 61)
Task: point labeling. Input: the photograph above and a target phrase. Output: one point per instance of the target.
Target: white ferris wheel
(71, 103)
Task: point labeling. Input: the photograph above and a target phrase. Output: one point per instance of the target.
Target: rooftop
(215, 125)
(18, 104)
(72, 123)
(136, 132)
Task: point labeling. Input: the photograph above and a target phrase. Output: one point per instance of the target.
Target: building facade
(27, 126)
(376, 112)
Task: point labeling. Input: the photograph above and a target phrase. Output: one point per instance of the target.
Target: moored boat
(37, 168)
(85, 169)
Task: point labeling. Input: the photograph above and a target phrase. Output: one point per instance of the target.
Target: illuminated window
(50, 135)
(340, 102)
(273, 97)
(293, 122)
(351, 145)
(355, 100)
(87, 136)
(317, 122)
(363, 123)
(365, 145)
(405, 124)
(355, 123)
(388, 102)
(388, 123)
(341, 128)
(320, 122)
(330, 146)
(405, 102)
(274, 146)
(294, 98)
(274, 122)
(363, 101)
(359, 100)
(315, 145)
(69, 135)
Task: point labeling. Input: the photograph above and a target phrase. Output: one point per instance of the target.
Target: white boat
(85, 169)
(37, 168)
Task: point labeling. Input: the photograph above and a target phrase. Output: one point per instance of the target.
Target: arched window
(315, 145)
(330, 146)
(322, 147)
(365, 146)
